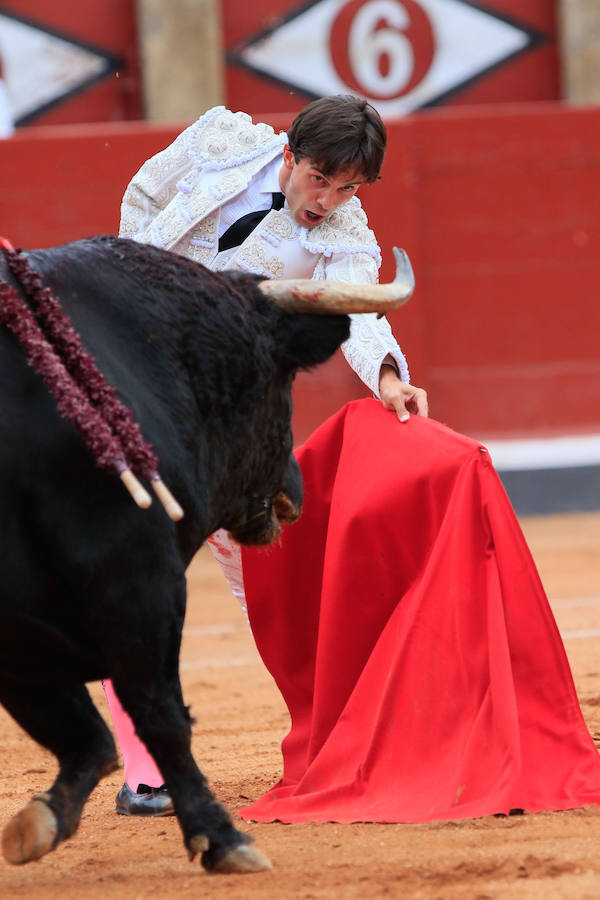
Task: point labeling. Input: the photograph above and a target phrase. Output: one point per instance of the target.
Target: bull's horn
(336, 297)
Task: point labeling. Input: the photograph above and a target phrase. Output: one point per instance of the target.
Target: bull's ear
(306, 340)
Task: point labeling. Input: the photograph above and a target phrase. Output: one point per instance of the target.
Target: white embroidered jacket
(175, 199)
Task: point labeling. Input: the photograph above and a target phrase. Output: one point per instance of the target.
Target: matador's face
(311, 195)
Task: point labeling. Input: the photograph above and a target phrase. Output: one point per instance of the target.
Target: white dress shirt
(257, 196)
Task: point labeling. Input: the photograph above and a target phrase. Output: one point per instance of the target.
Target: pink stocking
(139, 766)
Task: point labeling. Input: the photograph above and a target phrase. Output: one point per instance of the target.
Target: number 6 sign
(382, 48)
(399, 54)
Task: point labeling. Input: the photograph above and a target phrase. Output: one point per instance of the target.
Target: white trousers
(229, 556)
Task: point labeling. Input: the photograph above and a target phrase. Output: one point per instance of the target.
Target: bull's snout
(286, 510)
(264, 517)
(264, 526)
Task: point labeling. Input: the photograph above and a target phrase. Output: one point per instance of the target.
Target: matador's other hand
(403, 398)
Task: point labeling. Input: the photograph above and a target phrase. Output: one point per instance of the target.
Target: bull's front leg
(145, 676)
(67, 723)
(162, 722)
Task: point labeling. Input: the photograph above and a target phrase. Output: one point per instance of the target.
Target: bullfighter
(402, 617)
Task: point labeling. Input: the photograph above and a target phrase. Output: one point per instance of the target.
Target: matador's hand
(403, 398)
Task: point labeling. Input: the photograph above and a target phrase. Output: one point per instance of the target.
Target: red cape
(405, 624)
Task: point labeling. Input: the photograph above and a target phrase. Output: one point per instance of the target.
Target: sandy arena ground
(240, 722)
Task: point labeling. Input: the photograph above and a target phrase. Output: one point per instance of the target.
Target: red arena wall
(497, 209)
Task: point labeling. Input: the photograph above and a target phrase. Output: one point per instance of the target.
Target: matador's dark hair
(338, 134)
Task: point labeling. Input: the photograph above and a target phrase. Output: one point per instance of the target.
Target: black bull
(93, 586)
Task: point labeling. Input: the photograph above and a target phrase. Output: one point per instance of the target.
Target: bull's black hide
(94, 587)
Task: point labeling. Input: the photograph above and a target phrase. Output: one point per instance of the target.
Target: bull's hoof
(242, 859)
(30, 834)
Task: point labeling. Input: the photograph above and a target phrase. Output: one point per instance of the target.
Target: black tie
(237, 233)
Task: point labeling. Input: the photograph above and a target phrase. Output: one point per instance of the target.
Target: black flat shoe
(147, 802)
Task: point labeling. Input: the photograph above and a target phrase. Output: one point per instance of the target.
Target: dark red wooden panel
(497, 207)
